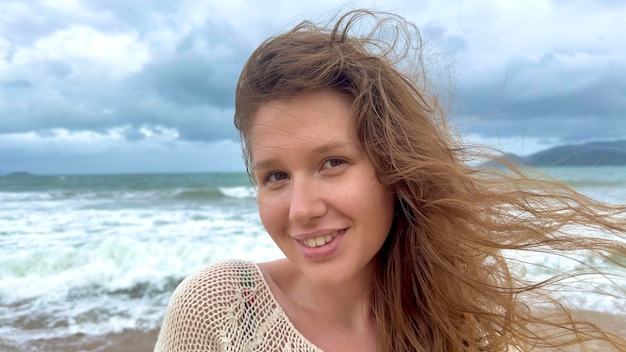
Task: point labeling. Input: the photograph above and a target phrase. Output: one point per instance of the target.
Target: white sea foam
(98, 270)
(585, 289)
(238, 192)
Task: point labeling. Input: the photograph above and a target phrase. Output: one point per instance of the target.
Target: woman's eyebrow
(265, 164)
(331, 146)
(321, 149)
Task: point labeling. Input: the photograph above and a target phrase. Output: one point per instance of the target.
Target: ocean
(99, 254)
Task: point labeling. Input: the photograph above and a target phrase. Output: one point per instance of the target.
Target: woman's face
(319, 198)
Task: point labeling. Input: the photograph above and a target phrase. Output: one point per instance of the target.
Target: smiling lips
(319, 241)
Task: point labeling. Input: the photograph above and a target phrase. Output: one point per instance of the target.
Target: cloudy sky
(111, 86)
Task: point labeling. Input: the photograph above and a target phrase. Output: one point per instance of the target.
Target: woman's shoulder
(222, 271)
(229, 306)
(208, 306)
(219, 280)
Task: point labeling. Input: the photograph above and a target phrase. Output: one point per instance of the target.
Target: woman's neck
(347, 304)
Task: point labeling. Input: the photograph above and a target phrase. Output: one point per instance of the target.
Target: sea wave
(129, 195)
(106, 257)
(101, 284)
(238, 192)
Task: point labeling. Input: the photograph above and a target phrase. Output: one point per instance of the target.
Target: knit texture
(227, 307)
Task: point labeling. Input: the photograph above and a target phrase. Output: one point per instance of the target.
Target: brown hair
(442, 281)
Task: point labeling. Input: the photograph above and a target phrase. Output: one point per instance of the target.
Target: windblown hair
(450, 276)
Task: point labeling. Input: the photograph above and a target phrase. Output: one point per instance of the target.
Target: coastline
(144, 341)
(126, 341)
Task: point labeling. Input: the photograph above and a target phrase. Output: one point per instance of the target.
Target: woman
(393, 242)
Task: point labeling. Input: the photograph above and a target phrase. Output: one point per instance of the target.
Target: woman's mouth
(318, 241)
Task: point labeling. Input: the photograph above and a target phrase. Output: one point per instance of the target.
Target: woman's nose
(307, 201)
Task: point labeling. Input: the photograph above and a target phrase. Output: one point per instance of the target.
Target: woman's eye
(275, 177)
(331, 163)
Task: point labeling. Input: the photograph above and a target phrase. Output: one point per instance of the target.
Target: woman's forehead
(318, 121)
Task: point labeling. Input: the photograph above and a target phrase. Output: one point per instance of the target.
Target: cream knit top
(228, 307)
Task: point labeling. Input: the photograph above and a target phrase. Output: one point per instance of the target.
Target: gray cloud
(547, 98)
(190, 88)
(169, 68)
(136, 13)
(17, 84)
(25, 29)
(190, 79)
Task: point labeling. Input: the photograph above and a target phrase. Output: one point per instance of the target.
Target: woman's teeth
(319, 241)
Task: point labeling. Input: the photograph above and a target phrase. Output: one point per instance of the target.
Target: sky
(117, 86)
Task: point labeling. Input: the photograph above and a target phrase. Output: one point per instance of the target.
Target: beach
(612, 323)
(143, 341)
(89, 262)
(128, 341)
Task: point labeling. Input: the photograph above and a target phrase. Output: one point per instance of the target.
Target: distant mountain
(17, 174)
(611, 153)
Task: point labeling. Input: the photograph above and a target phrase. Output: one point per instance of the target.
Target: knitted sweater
(227, 307)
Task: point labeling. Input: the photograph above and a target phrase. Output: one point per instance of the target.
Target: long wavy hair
(450, 276)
